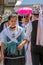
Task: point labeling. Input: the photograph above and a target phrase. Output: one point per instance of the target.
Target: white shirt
(28, 31)
(24, 27)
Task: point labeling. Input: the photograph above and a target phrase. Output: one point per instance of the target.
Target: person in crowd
(35, 53)
(23, 23)
(1, 45)
(26, 22)
(19, 20)
(28, 28)
(4, 24)
(12, 39)
(1, 51)
(0, 22)
(0, 19)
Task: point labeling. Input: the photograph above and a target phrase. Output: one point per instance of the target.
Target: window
(1, 9)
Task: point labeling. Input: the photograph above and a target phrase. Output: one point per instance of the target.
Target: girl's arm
(20, 46)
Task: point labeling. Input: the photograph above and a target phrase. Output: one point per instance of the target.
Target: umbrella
(25, 10)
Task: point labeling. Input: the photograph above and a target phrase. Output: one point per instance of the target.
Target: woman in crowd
(26, 23)
(1, 44)
(28, 28)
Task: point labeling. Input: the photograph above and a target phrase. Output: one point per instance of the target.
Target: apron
(11, 45)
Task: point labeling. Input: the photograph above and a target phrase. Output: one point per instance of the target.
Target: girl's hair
(20, 17)
(11, 16)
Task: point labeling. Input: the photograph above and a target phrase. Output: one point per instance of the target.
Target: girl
(13, 38)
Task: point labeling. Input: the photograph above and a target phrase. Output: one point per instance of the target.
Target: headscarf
(39, 27)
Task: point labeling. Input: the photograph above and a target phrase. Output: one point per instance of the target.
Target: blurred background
(15, 4)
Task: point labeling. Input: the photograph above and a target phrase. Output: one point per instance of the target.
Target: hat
(35, 11)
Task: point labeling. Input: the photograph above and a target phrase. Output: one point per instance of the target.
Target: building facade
(7, 4)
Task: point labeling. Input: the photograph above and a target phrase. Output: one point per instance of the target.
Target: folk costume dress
(11, 40)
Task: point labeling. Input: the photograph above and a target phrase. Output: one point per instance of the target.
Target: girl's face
(13, 21)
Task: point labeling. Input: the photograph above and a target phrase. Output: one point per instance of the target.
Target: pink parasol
(25, 10)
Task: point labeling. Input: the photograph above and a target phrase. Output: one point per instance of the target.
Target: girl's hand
(20, 47)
